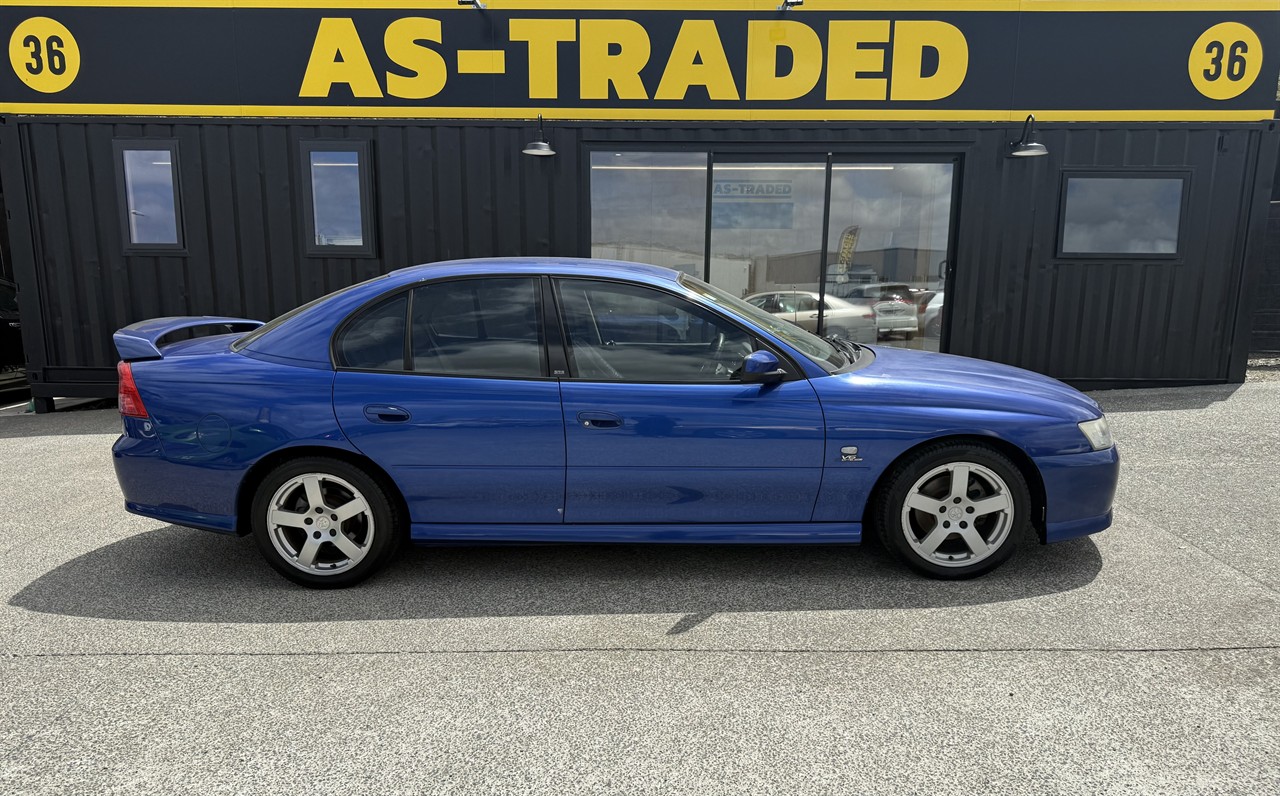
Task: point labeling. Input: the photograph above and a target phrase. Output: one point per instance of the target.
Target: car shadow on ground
(1163, 399)
(178, 575)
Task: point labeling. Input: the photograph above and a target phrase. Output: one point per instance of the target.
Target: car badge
(849, 454)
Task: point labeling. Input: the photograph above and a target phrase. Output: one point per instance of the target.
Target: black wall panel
(453, 190)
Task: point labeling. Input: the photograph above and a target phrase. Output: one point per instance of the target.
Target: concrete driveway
(142, 658)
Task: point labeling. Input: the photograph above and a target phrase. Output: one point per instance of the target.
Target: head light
(1098, 432)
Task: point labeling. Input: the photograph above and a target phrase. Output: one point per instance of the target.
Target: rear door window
(487, 327)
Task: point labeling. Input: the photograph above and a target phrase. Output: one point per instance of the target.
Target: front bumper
(1079, 489)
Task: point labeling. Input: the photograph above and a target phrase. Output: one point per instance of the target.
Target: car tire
(351, 534)
(948, 530)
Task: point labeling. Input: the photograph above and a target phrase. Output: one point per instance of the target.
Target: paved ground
(141, 658)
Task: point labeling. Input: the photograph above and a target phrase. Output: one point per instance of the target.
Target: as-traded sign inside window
(951, 60)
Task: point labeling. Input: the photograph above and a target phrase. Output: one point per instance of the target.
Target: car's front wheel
(324, 523)
(954, 510)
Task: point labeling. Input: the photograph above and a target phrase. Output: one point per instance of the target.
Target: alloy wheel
(957, 514)
(320, 523)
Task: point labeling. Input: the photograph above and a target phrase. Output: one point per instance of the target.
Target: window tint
(478, 327)
(148, 182)
(375, 340)
(1121, 215)
(630, 333)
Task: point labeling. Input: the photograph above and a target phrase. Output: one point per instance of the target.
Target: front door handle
(386, 413)
(599, 420)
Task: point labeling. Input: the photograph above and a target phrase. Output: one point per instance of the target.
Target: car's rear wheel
(324, 523)
(954, 510)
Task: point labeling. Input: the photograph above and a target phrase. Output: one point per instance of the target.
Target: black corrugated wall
(446, 191)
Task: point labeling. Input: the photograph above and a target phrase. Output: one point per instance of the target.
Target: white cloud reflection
(1122, 215)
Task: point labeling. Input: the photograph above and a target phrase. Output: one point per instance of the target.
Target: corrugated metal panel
(449, 191)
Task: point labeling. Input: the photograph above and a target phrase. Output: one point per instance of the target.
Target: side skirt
(778, 533)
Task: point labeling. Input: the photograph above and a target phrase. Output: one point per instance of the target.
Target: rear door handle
(386, 413)
(599, 420)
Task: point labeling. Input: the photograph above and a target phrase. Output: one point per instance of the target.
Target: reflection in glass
(149, 196)
(630, 333)
(478, 327)
(766, 226)
(335, 194)
(650, 207)
(375, 340)
(1122, 215)
(887, 243)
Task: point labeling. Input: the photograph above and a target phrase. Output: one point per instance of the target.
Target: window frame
(794, 371)
(364, 162)
(1183, 174)
(549, 361)
(118, 147)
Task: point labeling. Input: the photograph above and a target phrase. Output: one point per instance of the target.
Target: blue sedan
(563, 400)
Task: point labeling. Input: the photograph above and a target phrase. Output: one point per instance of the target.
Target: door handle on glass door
(599, 420)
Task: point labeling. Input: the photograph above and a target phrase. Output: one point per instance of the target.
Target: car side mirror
(761, 367)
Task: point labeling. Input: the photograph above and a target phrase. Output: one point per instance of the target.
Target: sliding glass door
(838, 245)
(888, 238)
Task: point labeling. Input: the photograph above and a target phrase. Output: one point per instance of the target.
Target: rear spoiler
(138, 340)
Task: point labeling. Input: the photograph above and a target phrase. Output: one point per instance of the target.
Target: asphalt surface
(142, 658)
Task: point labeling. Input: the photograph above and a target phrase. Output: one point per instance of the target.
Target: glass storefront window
(650, 207)
(887, 244)
(766, 226)
(880, 278)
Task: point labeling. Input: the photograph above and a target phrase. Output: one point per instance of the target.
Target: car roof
(561, 266)
(303, 339)
(784, 292)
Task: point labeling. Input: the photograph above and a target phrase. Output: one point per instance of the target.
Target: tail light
(130, 400)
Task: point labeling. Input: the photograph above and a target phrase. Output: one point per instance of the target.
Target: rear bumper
(197, 497)
(890, 323)
(1079, 489)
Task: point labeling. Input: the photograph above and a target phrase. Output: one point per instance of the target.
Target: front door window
(630, 333)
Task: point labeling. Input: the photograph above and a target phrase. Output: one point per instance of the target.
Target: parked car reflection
(846, 319)
(893, 302)
(931, 323)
